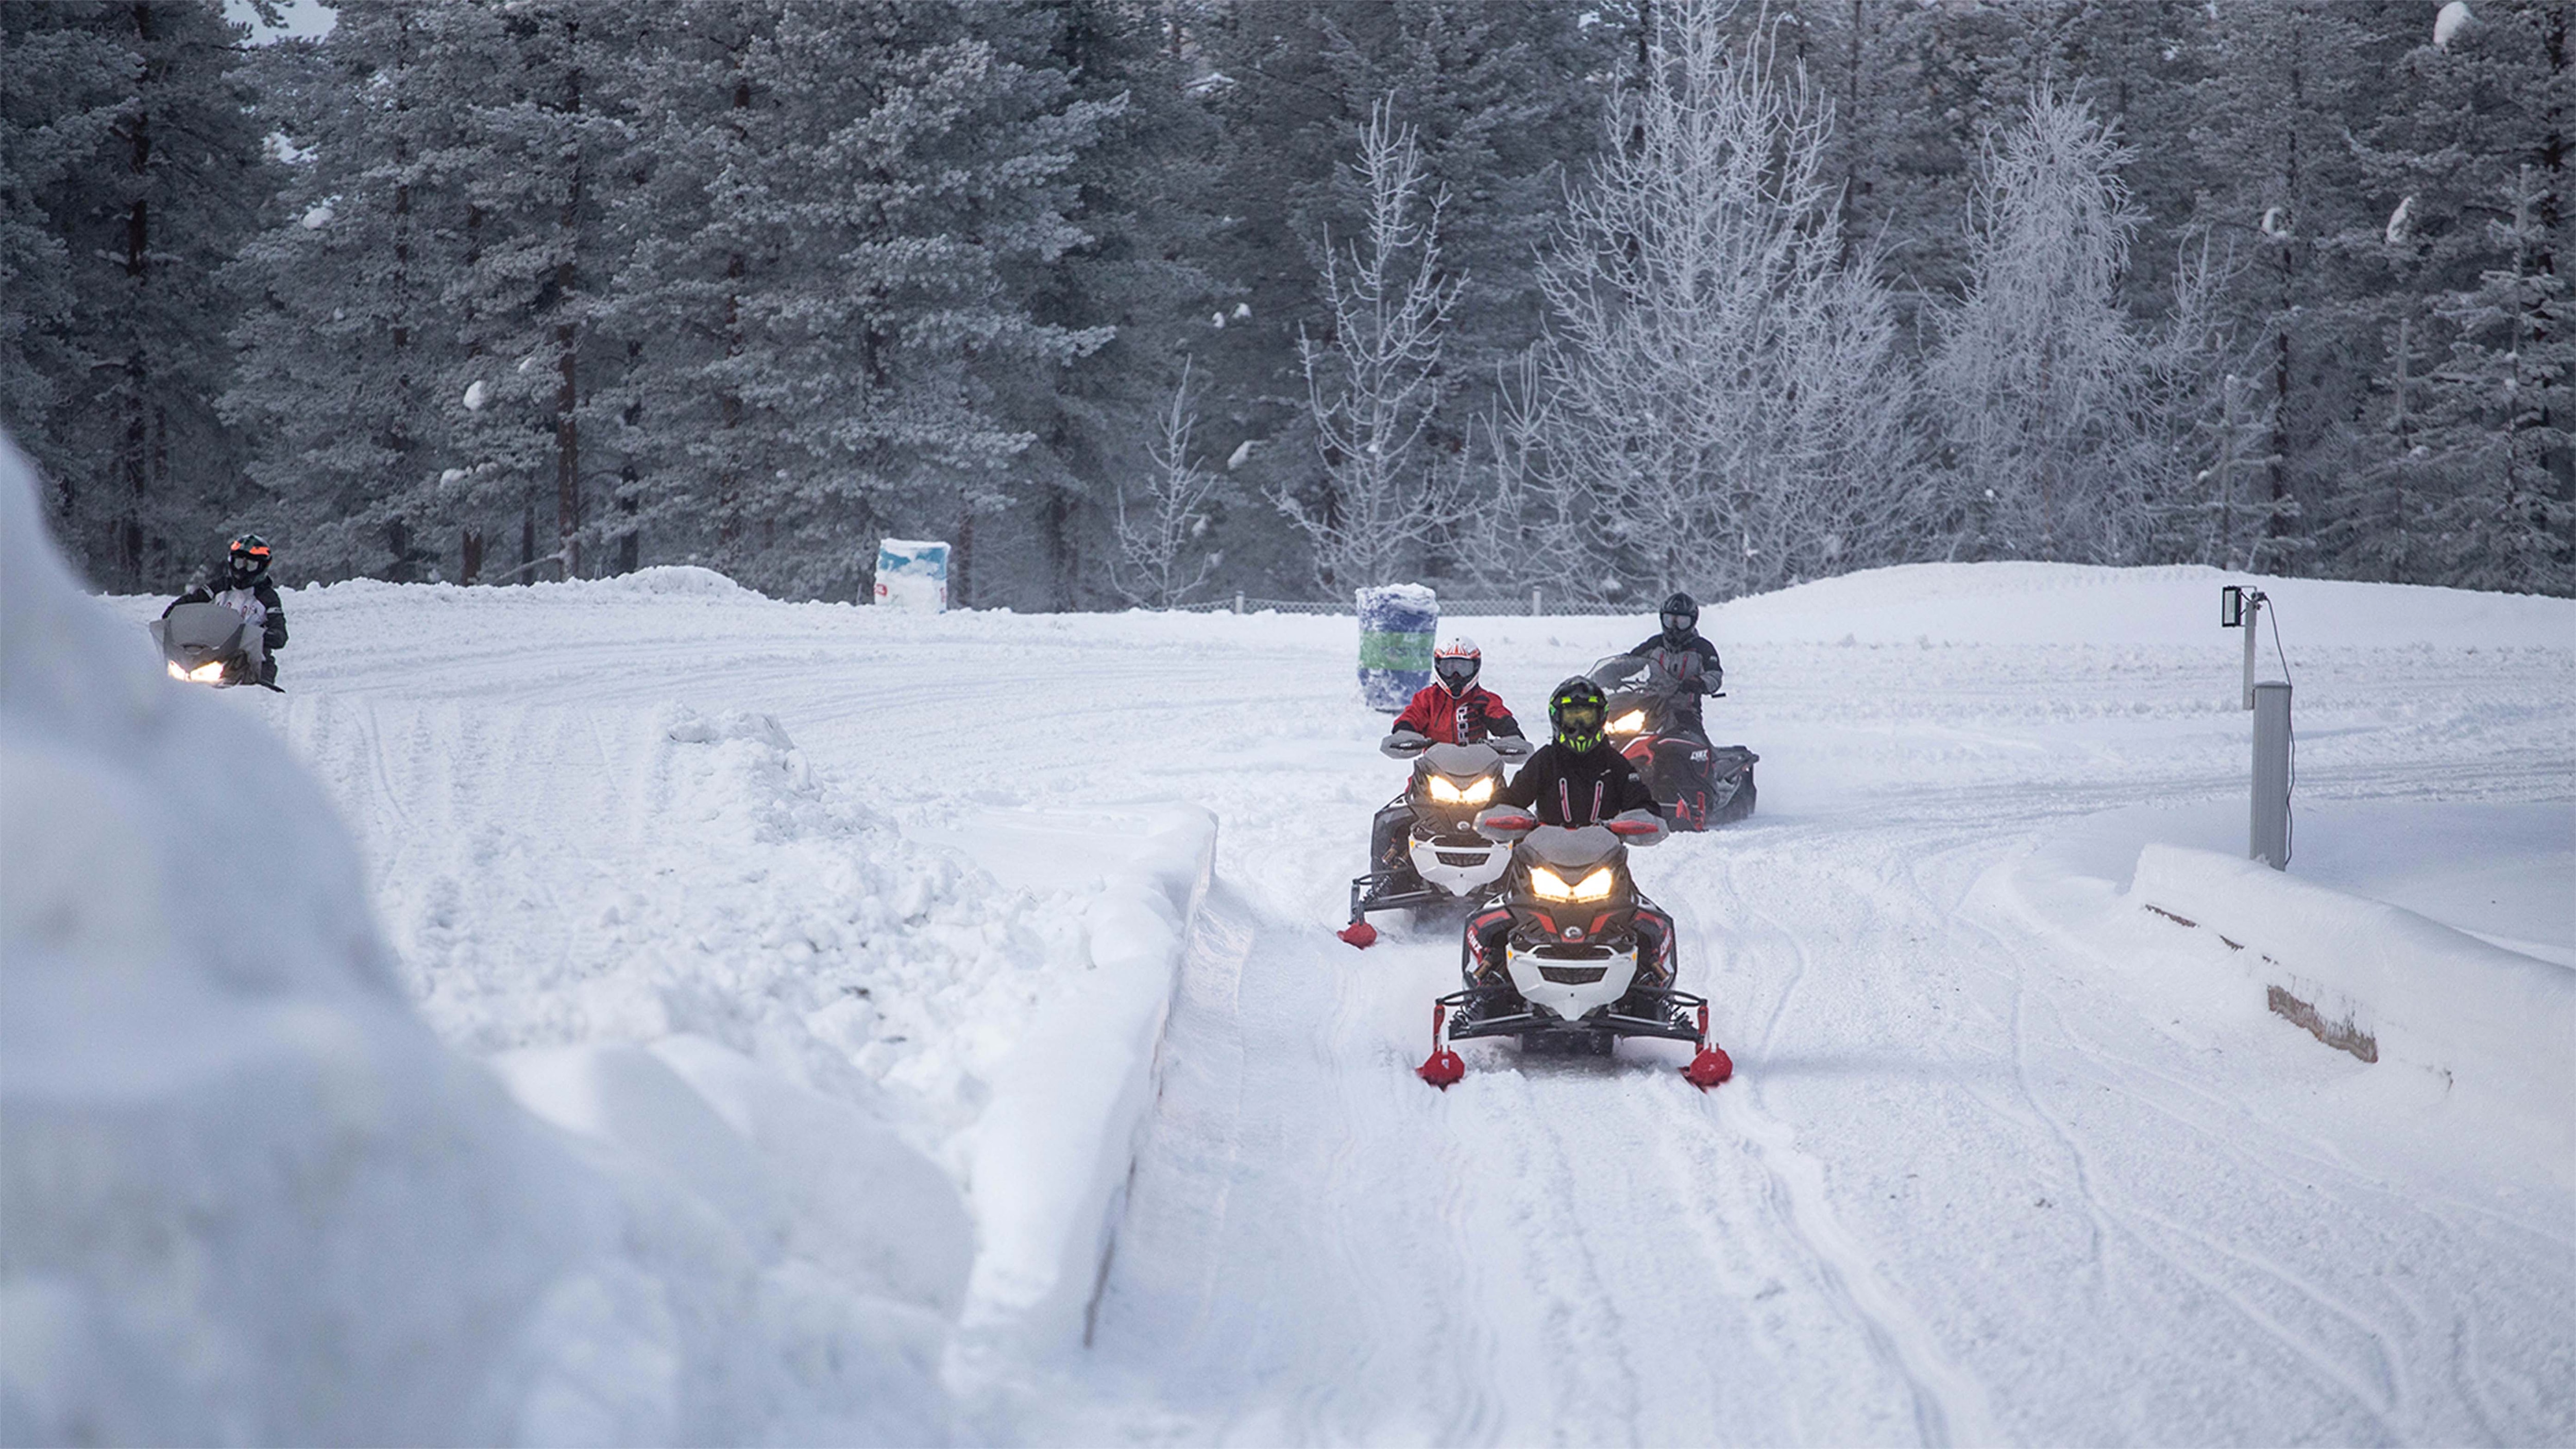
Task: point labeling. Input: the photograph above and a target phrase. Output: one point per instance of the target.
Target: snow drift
(250, 1197)
(2390, 984)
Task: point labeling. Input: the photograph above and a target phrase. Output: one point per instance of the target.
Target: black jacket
(1693, 666)
(1564, 788)
(272, 631)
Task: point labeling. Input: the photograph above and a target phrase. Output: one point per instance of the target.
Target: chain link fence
(1534, 604)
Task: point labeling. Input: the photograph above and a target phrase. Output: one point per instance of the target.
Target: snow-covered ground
(851, 931)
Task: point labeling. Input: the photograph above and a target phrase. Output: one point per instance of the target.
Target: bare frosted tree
(1721, 373)
(2041, 376)
(1160, 559)
(1372, 384)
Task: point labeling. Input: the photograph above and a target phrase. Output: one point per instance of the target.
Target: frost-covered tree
(1721, 380)
(2040, 374)
(1373, 380)
(130, 169)
(1162, 520)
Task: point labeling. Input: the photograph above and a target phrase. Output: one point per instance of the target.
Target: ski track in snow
(1964, 1188)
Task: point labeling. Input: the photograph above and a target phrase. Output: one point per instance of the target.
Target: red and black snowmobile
(1559, 961)
(1700, 785)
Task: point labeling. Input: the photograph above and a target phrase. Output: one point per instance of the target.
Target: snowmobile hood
(1570, 849)
(1460, 761)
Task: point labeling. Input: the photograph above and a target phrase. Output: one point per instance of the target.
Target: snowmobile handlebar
(1511, 747)
(1403, 745)
(1505, 822)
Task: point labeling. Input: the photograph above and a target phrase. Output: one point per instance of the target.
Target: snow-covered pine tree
(848, 283)
(1721, 378)
(1145, 197)
(347, 340)
(2291, 81)
(2472, 479)
(128, 174)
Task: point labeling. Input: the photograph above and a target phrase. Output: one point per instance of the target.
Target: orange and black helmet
(248, 555)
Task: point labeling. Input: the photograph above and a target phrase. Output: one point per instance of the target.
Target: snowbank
(2387, 984)
(2043, 603)
(250, 1197)
(1051, 1154)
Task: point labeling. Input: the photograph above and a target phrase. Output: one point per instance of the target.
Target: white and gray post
(2269, 837)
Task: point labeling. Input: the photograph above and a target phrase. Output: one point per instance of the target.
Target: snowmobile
(209, 644)
(1700, 785)
(1445, 860)
(1569, 982)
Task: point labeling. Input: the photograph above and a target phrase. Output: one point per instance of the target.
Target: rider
(1575, 780)
(242, 585)
(1685, 660)
(1453, 709)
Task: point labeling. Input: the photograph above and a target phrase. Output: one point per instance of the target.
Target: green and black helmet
(1575, 712)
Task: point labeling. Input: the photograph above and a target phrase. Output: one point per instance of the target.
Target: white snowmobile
(210, 644)
(1444, 859)
(1570, 980)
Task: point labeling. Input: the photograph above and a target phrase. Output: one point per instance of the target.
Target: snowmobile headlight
(1594, 886)
(1548, 885)
(206, 673)
(176, 672)
(1628, 724)
(1475, 794)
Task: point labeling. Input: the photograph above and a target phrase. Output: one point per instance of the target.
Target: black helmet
(1681, 616)
(247, 556)
(1575, 711)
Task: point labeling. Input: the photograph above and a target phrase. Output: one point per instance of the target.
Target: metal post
(2269, 840)
(2253, 611)
(1238, 601)
(1534, 610)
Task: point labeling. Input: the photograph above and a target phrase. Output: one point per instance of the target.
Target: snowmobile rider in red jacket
(1451, 710)
(1686, 662)
(1577, 779)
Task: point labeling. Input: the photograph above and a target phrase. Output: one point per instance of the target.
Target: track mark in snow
(1950, 1407)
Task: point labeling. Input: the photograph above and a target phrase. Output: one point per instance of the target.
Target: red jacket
(1457, 719)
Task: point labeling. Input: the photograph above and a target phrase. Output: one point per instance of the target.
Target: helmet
(1681, 615)
(1575, 712)
(1456, 662)
(247, 556)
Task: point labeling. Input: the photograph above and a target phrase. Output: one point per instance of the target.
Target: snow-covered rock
(2450, 21)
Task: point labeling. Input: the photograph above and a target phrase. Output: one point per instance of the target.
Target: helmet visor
(1678, 623)
(1578, 719)
(1457, 672)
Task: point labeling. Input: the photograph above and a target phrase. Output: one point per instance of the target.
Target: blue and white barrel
(1397, 622)
(912, 574)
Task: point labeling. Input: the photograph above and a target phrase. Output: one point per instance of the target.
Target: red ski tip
(1441, 1069)
(1359, 933)
(1707, 1069)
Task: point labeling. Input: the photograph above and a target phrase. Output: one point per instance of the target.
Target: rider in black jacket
(1687, 662)
(1577, 779)
(242, 585)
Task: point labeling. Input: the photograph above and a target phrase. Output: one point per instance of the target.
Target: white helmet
(1455, 663)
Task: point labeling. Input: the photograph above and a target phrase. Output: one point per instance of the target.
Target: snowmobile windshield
(1621, 671)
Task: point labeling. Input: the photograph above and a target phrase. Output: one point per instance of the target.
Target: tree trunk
(567, 344)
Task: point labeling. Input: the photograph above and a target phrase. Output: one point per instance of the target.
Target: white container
(912, 574)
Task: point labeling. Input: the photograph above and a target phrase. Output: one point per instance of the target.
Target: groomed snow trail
(1971, 1183)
